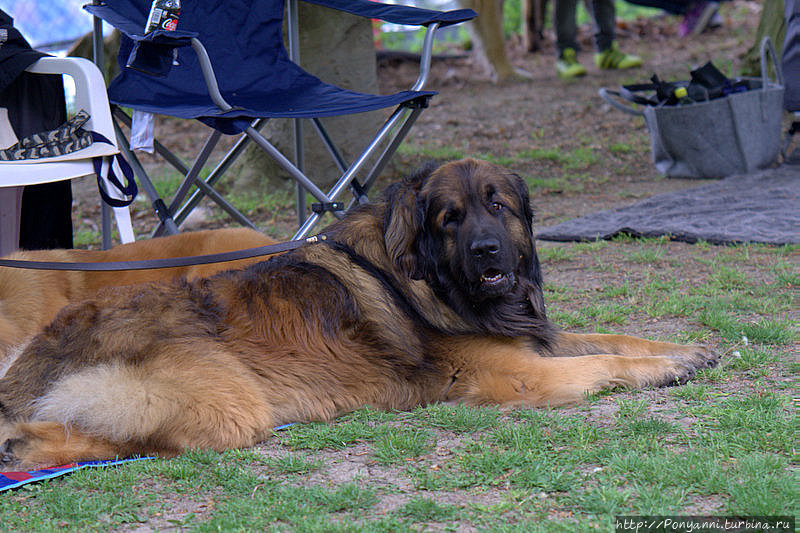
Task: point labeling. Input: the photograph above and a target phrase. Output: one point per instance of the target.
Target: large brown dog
(432, 293)
(30, 299)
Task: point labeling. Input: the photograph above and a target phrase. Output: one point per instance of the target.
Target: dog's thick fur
(30, 299)
(432, 293)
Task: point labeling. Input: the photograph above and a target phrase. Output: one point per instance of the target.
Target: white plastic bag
(142, 131)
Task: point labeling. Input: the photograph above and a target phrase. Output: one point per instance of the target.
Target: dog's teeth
(492, 279)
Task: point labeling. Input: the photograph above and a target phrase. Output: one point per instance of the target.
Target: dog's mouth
(494, 282)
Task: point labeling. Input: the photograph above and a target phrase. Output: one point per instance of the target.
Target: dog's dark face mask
(466, 229)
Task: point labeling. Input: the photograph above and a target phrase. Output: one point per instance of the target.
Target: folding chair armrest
(398, 14)
(152, 52)
(135, 29)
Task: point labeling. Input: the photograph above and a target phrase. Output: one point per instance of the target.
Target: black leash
(170, 262)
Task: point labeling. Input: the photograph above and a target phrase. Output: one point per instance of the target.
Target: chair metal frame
(389, 136)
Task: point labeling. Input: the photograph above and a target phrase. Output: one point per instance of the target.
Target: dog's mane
(427, 301)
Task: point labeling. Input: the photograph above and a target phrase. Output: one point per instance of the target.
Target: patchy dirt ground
(476, 117)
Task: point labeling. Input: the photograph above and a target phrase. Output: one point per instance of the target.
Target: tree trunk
(773, 24)
(338, 48)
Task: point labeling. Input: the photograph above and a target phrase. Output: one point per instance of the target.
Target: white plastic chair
(91, 96)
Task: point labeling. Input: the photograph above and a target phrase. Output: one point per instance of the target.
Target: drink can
(163, 15)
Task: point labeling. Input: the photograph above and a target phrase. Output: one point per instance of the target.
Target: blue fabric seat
(249, 74)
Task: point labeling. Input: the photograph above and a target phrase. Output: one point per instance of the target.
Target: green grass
(458, 417)
(85, 238)
(763, 330)
(422, 509)
(292, 464)
(442, 153)
(646, 255)
(399, 444)
(553, 255)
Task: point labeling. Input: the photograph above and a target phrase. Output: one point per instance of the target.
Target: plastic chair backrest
(90, 95)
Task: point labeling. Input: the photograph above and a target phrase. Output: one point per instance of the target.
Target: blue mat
(12, 480)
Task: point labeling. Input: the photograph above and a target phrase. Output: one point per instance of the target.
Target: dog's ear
(535, 290)
(404, 223)
(525, 201)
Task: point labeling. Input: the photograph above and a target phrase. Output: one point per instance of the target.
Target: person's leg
(565, 25)
(673, 7)
(698, 18)
(567, 65)
(607, 54)
(35, 103)
(605, 17)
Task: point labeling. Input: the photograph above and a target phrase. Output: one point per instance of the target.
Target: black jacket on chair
(35, 103)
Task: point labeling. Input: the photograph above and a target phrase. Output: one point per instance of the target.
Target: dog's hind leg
(185, 395)
(42, 444)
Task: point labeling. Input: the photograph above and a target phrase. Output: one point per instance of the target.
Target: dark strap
(663, 92)
(129, 189)
(359, 192)
(628, 92)
(170, 262)
(72, 137)
(67, 138)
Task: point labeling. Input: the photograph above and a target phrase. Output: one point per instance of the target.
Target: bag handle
(129, 189)
(608, 96)
(766, 46)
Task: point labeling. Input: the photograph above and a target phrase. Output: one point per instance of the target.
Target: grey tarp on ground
(762, 207)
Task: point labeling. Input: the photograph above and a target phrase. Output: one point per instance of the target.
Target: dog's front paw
(687, 364)
(700, 357)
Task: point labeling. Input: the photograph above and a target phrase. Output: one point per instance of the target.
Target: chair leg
(391, 148)
(395, 129)
(158, 204)
(194, 171)
(213, 177)
(10, 205)
(122, 216)
(336, 155)
(226, 206)
(287, 165)
(395, 120)
(359, 192)
(160, 149)
(170, 217)
(297, 133)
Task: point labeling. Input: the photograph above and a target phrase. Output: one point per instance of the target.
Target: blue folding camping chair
(226, 66)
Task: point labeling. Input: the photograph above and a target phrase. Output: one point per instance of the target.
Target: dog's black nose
(485, 247)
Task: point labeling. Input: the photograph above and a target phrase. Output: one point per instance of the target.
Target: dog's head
(466, 229)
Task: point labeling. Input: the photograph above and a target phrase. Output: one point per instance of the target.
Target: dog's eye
(497, 206)
(451, 217)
